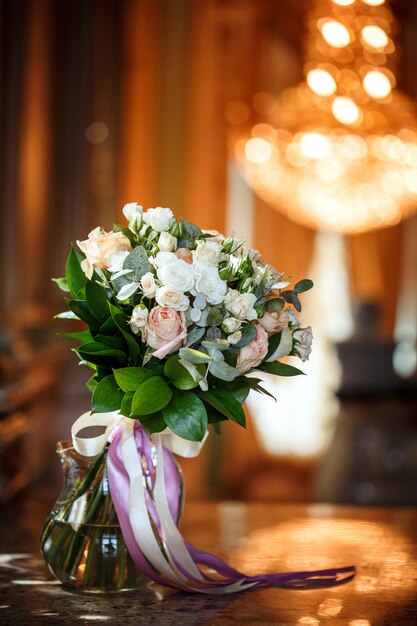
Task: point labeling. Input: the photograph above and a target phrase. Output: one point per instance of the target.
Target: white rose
(172, 298)
(303, 338)
(166, 242)
(159, 219)
(147, 282)
(293, 320)
(133, 213)
(208, 282)
(231, 325)
(163, 257)
(207, 252)
(138, 319)
(240, 305)
(176, 274)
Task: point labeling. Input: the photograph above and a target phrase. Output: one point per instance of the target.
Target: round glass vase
(82, 542)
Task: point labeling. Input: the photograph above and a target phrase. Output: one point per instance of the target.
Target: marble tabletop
(254, 538)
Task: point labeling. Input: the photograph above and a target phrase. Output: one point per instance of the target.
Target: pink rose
(184, 255)
(101, 248)
(254, 353)
(274, 322)
(165, 330)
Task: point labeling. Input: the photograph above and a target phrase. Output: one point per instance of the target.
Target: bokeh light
(345, 110)
(335, 34)
(258, 150)
(374, 36)
(377, 84)
(321, 82)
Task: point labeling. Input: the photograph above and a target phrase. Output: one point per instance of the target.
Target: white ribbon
(91, 446)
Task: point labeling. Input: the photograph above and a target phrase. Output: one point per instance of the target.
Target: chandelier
(339, 151)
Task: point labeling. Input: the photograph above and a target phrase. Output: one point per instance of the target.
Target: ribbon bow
(145, 497)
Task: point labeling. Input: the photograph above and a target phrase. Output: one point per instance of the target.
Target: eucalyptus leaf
(222, 370)
(137, 261)
(194, 336)
(194, 356)
(274, 304)
(248, 334)
(303, 285)
(292, 298)
(186, 416)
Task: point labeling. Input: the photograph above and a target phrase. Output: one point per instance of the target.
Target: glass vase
(82, 542)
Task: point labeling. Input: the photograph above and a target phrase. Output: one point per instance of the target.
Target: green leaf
(109, 327)
(151, 396)
(80, 308)
(96, 347)
(112, 341)
(126, 406)
(75, 276)
(153, 423)
(215, 316)
(179, 376)
(97, 301)
(83, 335)
(120, 321)
(248, 334)
(225, 403)
(137, 261)
(62, 284)
(275, 304)
(106, 396)
(279, 369)
(273, 344)
(186, 416)
(303, 285)
(129, 378)
(92, 383)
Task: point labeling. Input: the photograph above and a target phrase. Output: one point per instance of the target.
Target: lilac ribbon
(146, 498)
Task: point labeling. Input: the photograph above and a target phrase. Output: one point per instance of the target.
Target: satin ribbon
(145, 495)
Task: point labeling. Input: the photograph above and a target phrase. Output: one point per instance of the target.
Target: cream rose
(274, 322)
(166, 242)
(231, 325)
(208, 282)
(217, 237)
(147, 282)
(138, 319)
(240, 305)
(172, 298)
(207, 252)
(254, 352)
(159, 219)
(303, 339)
(175, 274)
(101, 247)
(165, 331)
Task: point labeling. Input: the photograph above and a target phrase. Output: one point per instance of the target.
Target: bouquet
(178, 317)
(179, 320)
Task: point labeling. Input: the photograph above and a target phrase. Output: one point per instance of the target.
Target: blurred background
(291, 123)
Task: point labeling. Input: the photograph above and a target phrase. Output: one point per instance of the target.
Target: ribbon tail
(144, 499)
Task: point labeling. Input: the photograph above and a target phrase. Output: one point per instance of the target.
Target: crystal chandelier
(339, 151)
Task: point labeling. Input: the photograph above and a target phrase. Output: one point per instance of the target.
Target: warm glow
(374, 36)
(377, 84)
(335, 34)
(343, 3)
(258, 150)
(321, 82)
(374, 3)
(345, 110)
(315, 146)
